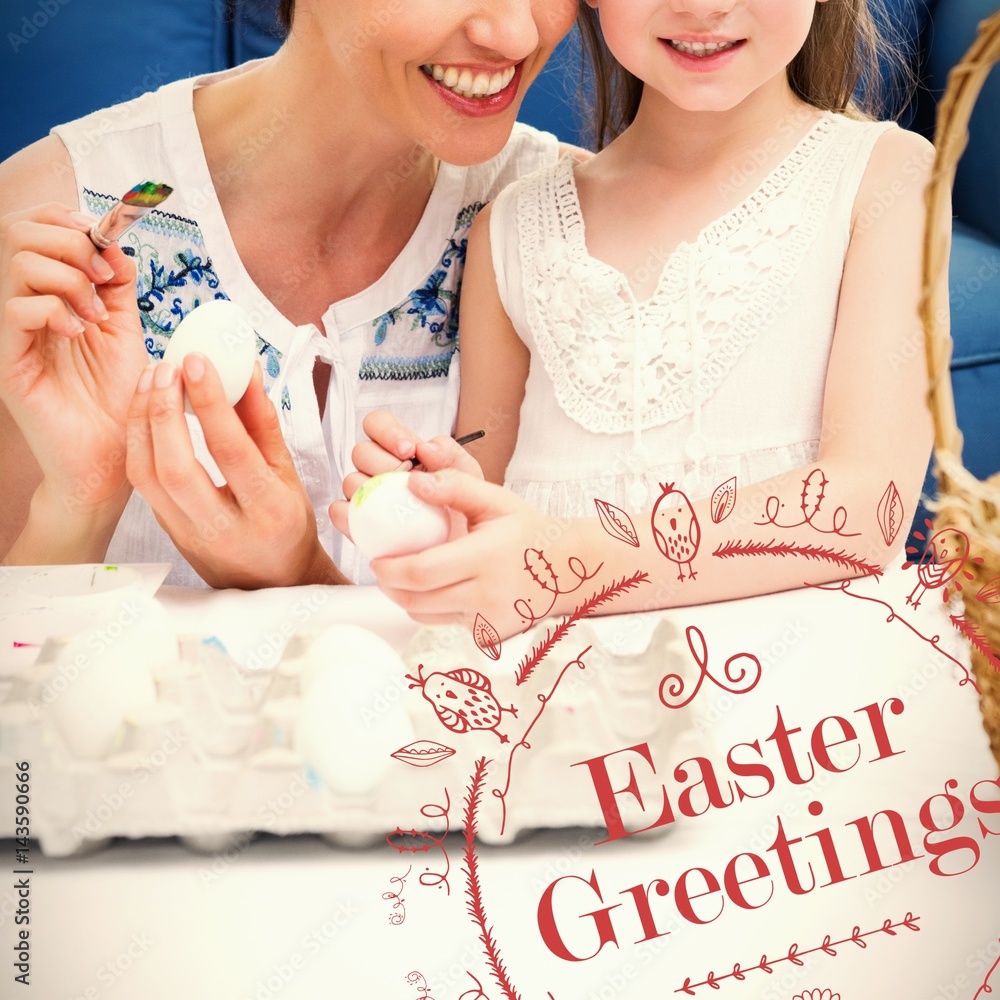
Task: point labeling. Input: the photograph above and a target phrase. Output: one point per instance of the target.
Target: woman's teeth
(699, 49)
(467, 84)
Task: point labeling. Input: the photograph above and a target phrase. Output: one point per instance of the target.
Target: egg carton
(225, 752)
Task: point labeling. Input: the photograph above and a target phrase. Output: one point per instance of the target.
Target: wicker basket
(965, 503)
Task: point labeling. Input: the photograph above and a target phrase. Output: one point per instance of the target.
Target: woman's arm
(876, 428)
(65, 374)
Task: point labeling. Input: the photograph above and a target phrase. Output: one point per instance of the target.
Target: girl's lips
(479, 107)
(702, 64)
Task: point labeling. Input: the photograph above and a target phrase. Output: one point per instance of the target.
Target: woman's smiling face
(449, 74)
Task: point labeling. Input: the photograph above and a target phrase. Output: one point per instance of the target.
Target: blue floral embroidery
(286, 402)
(434, 308)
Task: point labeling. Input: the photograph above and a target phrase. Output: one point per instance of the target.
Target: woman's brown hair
(843, 66)
(286, 8)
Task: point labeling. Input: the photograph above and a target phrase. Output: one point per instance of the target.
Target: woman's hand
(71, 351)
(259, 529)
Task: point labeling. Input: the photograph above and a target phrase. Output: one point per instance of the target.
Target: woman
(328, 190)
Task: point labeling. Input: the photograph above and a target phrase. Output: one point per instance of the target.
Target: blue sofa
(62, 61)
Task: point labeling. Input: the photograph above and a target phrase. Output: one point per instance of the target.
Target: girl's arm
(875, 428)
(494, 359)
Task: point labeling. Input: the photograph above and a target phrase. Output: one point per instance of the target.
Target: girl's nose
(703, 8)
(505, 27)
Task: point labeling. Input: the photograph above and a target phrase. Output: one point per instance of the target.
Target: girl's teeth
(464, 83)
(700, 49)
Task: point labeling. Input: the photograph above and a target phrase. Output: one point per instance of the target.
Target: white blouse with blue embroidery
(392, 346)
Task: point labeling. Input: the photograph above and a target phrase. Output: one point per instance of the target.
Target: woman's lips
(702, 57)
(478, 107)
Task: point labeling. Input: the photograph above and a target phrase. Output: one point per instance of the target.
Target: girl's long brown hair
(839, 68)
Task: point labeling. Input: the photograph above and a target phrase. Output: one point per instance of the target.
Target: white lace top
(391, 346)
(719, 373)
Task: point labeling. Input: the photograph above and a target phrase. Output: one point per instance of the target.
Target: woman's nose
(506, 27)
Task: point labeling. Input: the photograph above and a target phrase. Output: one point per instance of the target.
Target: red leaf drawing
(423, 753)
(617, 523)
(541, 570)
(813, 491)
(723, 500)
(989, 593)
(890, 513)
(487, 638)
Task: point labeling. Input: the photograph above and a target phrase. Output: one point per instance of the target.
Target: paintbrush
(411, 463)
(124, 214)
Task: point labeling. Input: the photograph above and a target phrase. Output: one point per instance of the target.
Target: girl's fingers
(394, 437)
(443, 566)
(338, 515)
(239, 459)
(177, 470)
(33, 274)
(370, 458)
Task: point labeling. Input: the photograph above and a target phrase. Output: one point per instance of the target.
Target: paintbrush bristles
(148, 194)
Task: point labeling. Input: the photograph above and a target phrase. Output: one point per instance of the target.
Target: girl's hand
(259, 529)
(390, 443)
(71, 350)
(481, 572)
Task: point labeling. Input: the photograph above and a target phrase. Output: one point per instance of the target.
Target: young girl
(723, 297)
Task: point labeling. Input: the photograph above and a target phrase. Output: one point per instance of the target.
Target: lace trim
(608, 354)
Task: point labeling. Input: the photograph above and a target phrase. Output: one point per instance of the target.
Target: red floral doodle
(473, 887)
(676, 530)
(723, 500)
(423, 990)
(794, 954)
(986, 988)
(426, 842)
(527, 666)
(617, 523)
(541, 571)
(773, 548)
(473, 993)
(422, 753)
(810, 501)
(523, 741)
(974, 634)
(890, 513)
(398, 915)
(699, 650)
(463, 700)
(941, 565)
(816, 995)
(844, 587)
(487, 638)
(989, 592)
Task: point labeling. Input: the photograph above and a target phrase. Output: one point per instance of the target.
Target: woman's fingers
(259, 416)
(238, 456)
(33, 274)
(140, 459)
(33, 316)
(178, 472)
(56, 242)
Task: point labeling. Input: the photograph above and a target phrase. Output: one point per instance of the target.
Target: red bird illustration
(675, 528)
(943, 559)
(463, 700)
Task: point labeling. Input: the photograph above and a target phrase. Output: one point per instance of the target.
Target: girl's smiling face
(706, 55)
(449, 74)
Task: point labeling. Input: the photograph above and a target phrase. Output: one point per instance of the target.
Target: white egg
(224, 333)
(352, 715)
(386, 519)
(106, 672)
